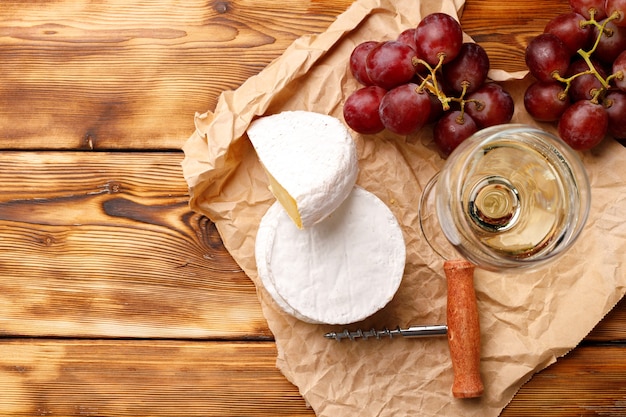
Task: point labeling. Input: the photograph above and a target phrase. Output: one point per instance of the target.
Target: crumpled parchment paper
(527, 320)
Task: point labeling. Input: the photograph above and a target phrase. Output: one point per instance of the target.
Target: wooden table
(115, 299)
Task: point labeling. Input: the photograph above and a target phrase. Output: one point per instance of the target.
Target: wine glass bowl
(510, 196)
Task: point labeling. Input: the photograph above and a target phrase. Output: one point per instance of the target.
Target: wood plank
(165, 378)
(504, 29)
(587, 382)
(126, 378)
(612, 327)
(104, 244)
(113, 74)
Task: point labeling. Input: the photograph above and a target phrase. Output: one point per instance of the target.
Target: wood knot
(47, 240)
(113, 187)
(88, 141)
(208, 234)
(221, 7)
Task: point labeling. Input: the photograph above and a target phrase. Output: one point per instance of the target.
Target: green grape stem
(597, 95)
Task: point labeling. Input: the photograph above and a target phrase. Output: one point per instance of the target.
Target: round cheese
(310, 160)
(265, 235)
(339, 271)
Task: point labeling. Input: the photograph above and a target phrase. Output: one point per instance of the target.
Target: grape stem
(598, 94)
(431, 84)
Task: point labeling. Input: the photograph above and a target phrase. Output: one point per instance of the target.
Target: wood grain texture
(505, 28)
(613, 327)
(120, 75)
(104, 244)
(126, 378)
(587, 382)
(130, 378)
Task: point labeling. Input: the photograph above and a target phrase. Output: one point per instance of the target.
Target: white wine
(515, 198)
(510, 196)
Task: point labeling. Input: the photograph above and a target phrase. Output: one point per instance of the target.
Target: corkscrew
(462, 328)
(412, 331)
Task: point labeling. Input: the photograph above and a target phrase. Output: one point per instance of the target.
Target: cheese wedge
(339, 271)
(310, 160)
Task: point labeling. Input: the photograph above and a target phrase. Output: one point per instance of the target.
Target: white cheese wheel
(310, 160)
(265, 235)
(339, 271)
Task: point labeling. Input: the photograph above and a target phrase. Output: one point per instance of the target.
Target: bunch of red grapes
(579, 63)
(428, 75)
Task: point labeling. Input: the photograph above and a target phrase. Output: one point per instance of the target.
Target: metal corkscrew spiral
(412, 331)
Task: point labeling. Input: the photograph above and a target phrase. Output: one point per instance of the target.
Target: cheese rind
(265, 235)
(339, 271)
(310, 159)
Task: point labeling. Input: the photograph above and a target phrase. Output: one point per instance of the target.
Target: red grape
(583, 87)
(619, 6)
(568, 28)
(408, 37)
(593, 50)
(495, 105)
(427, 75)
(615, 104)
(619, 65)
(360, 111)
(546, 102)
(610, 45)
(470, 67)
(389, 64)
(546, 54)
(583, 125)
(438, 34)
(357, 61)
(403, 110)
(436, 109)
(452, 129)
(583, 7)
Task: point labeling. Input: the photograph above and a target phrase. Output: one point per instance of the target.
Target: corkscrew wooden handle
(463, 329)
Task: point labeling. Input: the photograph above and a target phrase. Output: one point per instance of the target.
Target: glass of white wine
(511, 196)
